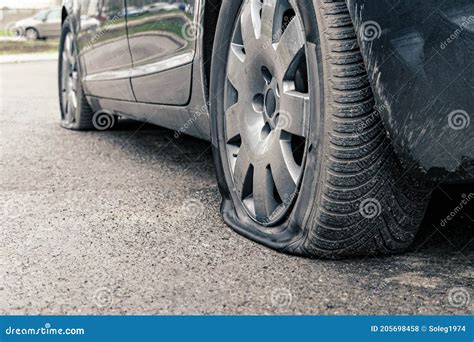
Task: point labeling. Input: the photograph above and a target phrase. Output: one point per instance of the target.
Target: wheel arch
(34, 29)
(407, 61)
(64, 14)
(211, 15)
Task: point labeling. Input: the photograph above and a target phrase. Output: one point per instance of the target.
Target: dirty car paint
(420, 59)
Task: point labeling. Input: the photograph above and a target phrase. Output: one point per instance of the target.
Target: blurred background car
(43, 25)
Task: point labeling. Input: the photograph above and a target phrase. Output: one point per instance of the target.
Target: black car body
(421, 69)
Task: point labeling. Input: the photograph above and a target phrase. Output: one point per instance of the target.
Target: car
(132, 11)
(45, 24)
(331, 121)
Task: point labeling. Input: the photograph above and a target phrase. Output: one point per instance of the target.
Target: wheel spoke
(242, 172)
(75, 79)
(294, 107)
(72, 100)
(268, 16)
(65, 100)
(69, 111)
(65, 88)
(285, 171)
(290, 44)
(250, 23)
(67, 48)
(235, 65)
(232, 121)
(65, 76)
(66, 68)
(64, 103)
(65, 65)
(264, 200)
(72, 58)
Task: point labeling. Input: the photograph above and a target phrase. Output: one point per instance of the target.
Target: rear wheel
(303, 161)
(76, 114)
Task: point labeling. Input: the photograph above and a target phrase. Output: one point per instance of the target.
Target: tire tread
(360, 163)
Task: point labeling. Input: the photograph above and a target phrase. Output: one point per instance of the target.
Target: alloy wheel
(69, 80)
(266, 105)
(31, 34)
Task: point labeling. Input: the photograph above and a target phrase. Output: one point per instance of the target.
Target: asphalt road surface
(127, 222)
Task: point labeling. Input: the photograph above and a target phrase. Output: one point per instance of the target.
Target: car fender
(423, 80)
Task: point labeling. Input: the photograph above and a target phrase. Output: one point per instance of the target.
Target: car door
(104, 50)
(51, 26)
(162, 36)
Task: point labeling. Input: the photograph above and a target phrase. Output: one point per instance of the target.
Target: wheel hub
(266, 113)
(271, 104)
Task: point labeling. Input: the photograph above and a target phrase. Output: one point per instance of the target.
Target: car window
(42, 15)
(54, 15)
